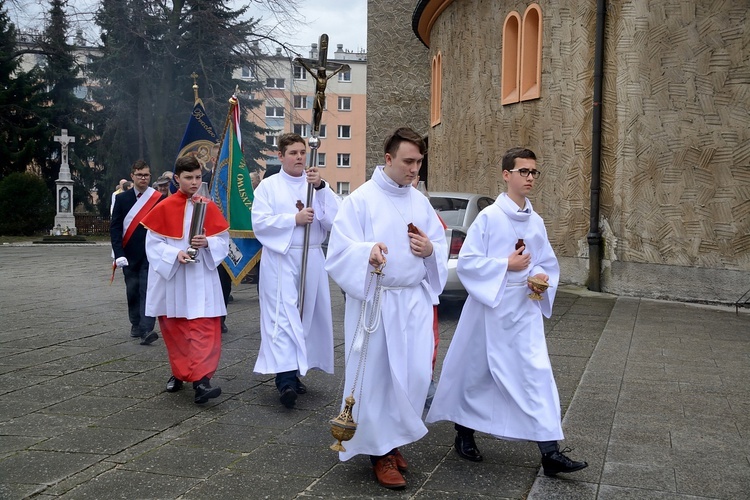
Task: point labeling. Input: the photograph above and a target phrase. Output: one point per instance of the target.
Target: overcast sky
(345, 21)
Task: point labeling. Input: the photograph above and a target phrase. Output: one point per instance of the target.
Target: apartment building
(288, 94)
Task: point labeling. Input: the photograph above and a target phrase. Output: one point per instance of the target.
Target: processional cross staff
(318, 71)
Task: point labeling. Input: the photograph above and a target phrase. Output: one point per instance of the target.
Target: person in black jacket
(128, 238)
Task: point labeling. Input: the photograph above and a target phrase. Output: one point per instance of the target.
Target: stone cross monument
(65, 221)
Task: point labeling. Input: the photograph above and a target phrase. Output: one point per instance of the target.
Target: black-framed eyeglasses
(525, 172)
(142, 176)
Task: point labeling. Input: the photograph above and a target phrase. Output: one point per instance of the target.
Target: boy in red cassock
(185, 296)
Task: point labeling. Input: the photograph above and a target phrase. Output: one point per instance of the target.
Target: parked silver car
(458, 211)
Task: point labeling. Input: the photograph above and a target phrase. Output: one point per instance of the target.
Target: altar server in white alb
(290, 345)
(497, 376)
(386, 220)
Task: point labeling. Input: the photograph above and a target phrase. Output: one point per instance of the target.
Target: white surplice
(391, 393)
(289, 342)
(185, 290)
(497, 376)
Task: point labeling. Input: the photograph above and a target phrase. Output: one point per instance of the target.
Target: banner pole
(232, 105)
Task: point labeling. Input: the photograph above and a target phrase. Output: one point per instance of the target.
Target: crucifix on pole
(321, 79)
(318, 69)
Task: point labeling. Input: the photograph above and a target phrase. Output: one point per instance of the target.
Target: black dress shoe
(301, 388)
(557, 462)
(174, 384)
(288, 397)
(135, 332)
(204, 392)
(149, 338)
(224, 328)
(467, 448)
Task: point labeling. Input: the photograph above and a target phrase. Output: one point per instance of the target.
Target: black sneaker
(557, 462)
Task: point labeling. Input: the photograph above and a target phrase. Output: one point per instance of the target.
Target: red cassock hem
(193, 346)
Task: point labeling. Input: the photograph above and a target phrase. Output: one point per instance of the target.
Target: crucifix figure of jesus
(64, 139)
(321, 79)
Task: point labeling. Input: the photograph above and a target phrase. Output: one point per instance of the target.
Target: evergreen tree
(149, 51)
(120, 72)
(216, 44)
(22, 115)
(63, 78)
(125, 72)
(26, 204)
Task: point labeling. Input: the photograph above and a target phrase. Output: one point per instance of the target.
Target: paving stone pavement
(654, 393)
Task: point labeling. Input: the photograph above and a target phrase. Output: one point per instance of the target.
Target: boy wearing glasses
(128, 240)
(497, 377)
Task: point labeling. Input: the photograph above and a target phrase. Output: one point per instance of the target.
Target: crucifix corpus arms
(318, 71)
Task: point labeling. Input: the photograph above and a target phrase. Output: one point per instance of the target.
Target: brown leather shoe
(400, 460)
(387, 473)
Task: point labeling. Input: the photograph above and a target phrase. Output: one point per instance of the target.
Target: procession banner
(232, 191)
(200, 140)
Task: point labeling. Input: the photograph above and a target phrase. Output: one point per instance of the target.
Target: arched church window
(531, 53)
(511, 54)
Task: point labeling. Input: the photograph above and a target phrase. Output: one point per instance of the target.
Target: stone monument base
(65, 225)
(52, 240)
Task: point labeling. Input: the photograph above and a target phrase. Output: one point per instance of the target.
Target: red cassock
(193, 346)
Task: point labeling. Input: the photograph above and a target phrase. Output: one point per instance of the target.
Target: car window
(483, 203)
(451, 210)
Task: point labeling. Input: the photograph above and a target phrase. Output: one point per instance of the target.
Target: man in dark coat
(129, 247)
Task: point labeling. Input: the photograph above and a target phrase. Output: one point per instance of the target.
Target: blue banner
(200, 140)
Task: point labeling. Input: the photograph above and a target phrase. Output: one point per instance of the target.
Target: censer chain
(366, 326)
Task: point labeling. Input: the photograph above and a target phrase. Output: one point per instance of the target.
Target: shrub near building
(26, 205)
